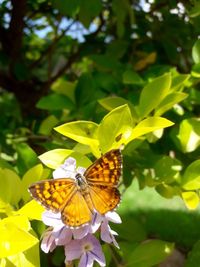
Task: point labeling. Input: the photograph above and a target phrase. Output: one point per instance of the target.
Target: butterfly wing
(76, 211)
(53, 194)
(104, 198)
(62, 195)
(105, 170)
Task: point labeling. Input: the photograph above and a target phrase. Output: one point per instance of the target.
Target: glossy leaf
(189, 134)
(115, 128)
(10, 186)
(191, 200)
(14, 236)
(84, 132)
(196, 52)
(33, 210)
(191, 176)
(153, 93)
(32, 175)
(169, 101)
(54, 158)
(149, 125)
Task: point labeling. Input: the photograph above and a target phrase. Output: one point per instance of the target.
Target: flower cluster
(79, 243)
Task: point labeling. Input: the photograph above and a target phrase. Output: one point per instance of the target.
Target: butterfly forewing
(53, 194)
(106, 170)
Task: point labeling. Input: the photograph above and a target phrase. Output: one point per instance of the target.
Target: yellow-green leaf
(153, 93)
(191, 200)
(32, 175)
(14, 236)
(33, 210)
(149, 125)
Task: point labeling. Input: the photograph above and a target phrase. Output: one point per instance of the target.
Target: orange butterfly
(77, 199)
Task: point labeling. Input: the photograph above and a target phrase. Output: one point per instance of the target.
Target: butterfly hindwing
(105, 170)
(53, 194)
(76, 212)
(104, 198)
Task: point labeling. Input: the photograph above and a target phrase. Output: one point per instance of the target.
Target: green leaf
(109, 103)
(14, 236)
(191, 176)
(54, 158)
(153, 93)
(149, 125)
(69, 8)
(167, 169)
(191, 200)
(115, 128)
(32, 175)
(196, 70)
(10, 187)
(168, 191)
(27, 158)
(130, 230)
(179, 81)
(84, 132)
(55, 102)
(47, 125)
(64, 87)
(33, 210)
(189, 134)
(196, 52)
(88, 10)
(150, 253)
(169, 101)
(131, 77)
(193, 257)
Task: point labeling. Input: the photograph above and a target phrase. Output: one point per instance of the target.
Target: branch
(15, 33)
(49, 48)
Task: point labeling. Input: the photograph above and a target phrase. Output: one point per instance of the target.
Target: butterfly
(77, 199)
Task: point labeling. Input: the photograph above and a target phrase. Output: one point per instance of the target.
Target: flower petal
(73, 250)
(63, 236)
(52, 219)
(86, 260)
(113, 217)
(48, 242)
(80, 232)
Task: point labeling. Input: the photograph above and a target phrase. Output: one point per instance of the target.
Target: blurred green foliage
(82, 77)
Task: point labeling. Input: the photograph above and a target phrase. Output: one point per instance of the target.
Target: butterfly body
(78, 198)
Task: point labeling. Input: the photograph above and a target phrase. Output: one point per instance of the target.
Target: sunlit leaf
(10, 186)
(153, 93)
(196, 52)
(191, 199)
(33, 210)
(54, 158)
(14, 236)
(189, 134)
(149, 125)
(32, 175)
(115, 128)
(84, 132)
(191, 176)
